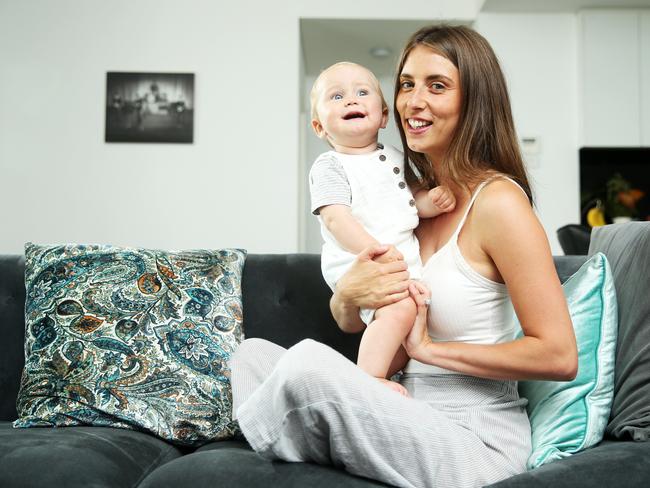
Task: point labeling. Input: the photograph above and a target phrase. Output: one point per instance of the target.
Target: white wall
(237, 185)
(615, 41)
(538, 53)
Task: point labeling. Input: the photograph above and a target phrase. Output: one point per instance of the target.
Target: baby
(359, 193)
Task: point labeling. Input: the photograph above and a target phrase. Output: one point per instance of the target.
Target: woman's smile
(418, 126)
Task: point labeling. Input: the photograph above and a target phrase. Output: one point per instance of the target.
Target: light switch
(531, 151)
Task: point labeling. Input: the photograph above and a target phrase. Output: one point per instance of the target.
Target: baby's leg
(382, 340)
(398, 363)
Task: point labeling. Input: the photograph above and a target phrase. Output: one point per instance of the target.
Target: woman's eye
(437, 86)
(405, 85)
(362, 93)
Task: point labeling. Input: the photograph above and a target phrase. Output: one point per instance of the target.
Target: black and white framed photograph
(149, 107)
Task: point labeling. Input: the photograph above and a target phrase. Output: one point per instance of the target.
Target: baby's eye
(362, 93)
(337, 96)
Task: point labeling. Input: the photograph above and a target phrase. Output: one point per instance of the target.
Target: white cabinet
(615, 77)
(645, 77)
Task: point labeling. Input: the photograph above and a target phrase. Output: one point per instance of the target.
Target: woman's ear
(318, 128)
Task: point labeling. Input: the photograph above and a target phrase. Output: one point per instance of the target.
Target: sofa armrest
(12, 331)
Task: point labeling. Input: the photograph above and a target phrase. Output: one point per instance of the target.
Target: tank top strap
(473, 199)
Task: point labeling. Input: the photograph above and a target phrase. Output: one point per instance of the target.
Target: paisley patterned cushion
(131, 338)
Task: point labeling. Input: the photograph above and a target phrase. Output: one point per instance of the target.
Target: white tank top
(465, 305)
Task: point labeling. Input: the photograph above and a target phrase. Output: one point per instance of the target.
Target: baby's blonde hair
(315, 89)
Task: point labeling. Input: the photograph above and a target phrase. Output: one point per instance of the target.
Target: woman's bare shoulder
(502, 197)
(506, 222)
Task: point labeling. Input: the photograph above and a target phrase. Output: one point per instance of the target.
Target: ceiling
(326, 41)
(549, 6)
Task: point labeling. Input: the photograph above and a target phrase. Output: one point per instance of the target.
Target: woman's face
(428, 101)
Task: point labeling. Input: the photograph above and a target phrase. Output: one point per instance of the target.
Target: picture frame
(149, 107)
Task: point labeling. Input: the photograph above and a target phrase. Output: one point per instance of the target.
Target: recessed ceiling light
(380, 51)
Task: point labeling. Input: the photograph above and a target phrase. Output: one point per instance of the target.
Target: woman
(464, 424)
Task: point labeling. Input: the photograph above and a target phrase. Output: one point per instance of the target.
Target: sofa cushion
(567, 417)
(79, 456)
(566, 266)
(627, 247)
(611, 463)
(290, 289)
(131, 338)
(234, 464)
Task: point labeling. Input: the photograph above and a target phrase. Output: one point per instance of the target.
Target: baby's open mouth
(354, 115)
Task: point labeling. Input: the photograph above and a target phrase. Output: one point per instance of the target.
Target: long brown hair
(485, 140)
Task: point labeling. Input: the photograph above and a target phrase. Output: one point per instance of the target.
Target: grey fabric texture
(226, 464)
(566, 266)
(610, 464)
(627, 247)
(73, 457)
(286, 300)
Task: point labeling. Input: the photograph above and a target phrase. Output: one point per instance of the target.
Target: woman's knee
(302, 359)
(304, 368)
(247, 348)
(253, 351)
(309, 347)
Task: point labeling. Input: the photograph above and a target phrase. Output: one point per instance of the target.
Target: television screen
(616, 181)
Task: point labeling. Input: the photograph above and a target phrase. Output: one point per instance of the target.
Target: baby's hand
(443, 198)
(389, 256)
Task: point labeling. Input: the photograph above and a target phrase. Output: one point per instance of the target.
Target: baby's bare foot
(395, 386)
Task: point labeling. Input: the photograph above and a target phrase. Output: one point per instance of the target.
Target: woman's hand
(418, 339)
(370, 284)
(389, 256)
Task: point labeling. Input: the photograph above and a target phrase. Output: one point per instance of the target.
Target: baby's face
(349, 108)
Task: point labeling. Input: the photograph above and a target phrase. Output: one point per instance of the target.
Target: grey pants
(310, 403)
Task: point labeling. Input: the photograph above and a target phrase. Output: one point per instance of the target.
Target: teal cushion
(131, 338)
(567, 417)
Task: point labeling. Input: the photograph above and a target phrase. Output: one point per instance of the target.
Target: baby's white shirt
(379, 199)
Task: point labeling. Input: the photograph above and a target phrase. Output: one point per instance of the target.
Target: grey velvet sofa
(285, 301)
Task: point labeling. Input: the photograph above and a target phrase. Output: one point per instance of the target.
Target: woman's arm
(512, 237)
(368, 284)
